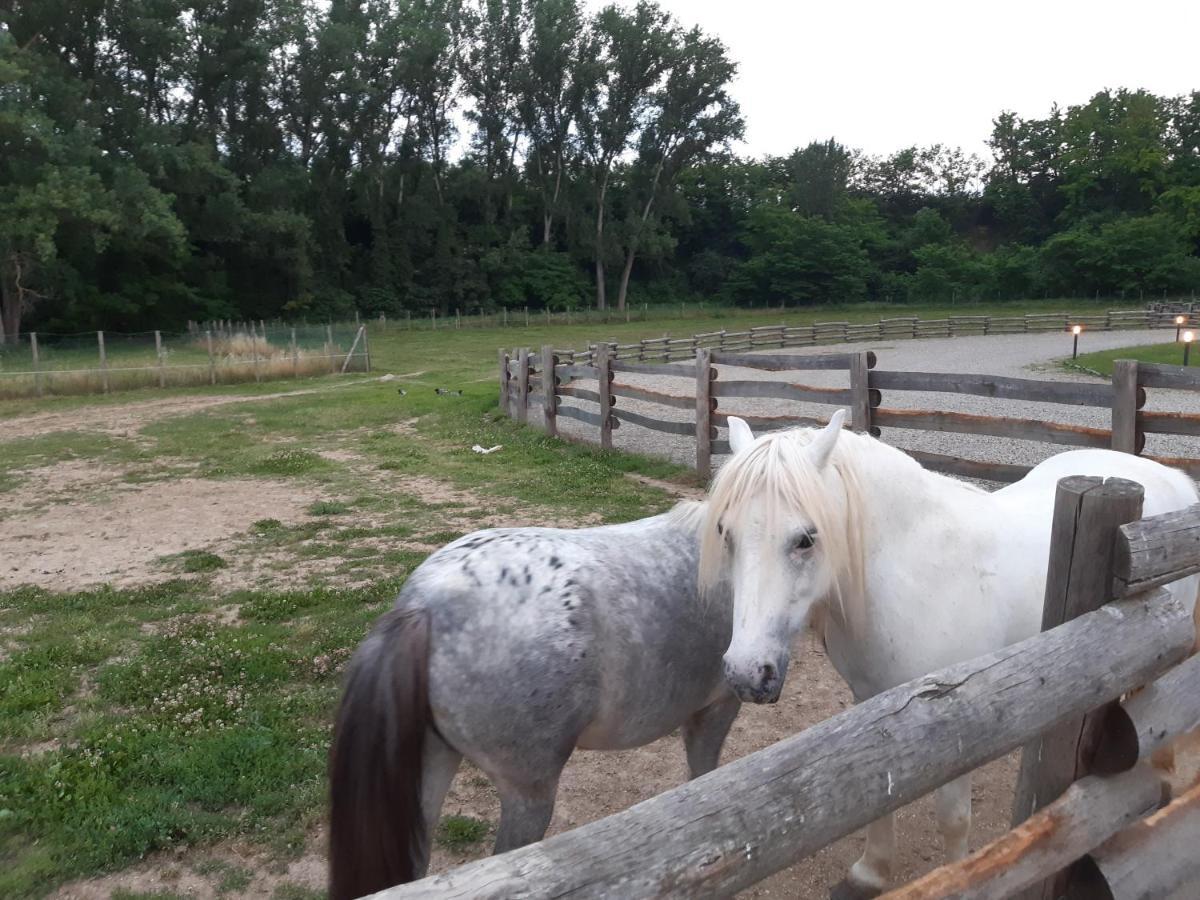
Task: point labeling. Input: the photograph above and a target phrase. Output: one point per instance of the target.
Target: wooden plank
(1125, 405)
(604, 379)
(1087, 513)
(1091, 811)
(1157, 375)
(523, 385)
(573, 371)
(782, 391)
(860, 393)
(782, 362)
(704, 400)
(579, 393)
(969, 468)
(653, 424)
(581, 415)
(549, 391)
(1169, 423)
(995, 426)
(1151, 719)
(771, 423)
(680, 401)
(1155, 857)
(504, 378)
(726, 830)
(1071, 393)
(682, 371)
(1156, 550)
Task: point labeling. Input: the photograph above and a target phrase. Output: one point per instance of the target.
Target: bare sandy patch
(467, 511)
(119, 539)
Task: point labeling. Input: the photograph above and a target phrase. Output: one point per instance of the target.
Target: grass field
(1171, 354)
(193, 707)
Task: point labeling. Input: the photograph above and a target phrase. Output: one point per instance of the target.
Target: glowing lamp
(1077, 329)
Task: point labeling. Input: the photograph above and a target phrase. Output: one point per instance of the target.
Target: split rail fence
(1093, 815)
(528, 379)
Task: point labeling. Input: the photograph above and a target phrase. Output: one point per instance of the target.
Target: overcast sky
(885, 75)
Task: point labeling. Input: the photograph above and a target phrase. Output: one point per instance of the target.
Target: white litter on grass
(479, 449)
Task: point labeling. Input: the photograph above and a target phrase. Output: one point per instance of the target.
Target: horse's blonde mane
(687, 514)
(778, 475)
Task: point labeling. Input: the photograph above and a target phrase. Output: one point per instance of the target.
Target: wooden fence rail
(864, 392)
(755, 816)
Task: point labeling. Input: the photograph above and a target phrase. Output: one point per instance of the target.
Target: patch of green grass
(1168, 353)
(287, 891)
(460, 832)
(266, 526)
(195, 561)
(328, 508)
(289, 462)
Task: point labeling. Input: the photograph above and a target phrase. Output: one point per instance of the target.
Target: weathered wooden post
(254, 350)
(212, 362)
(329, 347)
(504, 376)
(295, 355)
(158, 351)
(549, 391)
(523, 385)
(705, 373)
(1125, 406)
(366, 349)
(860, 392)
(1088, 510)
(604, 377)
(103, 361)
(37, 367)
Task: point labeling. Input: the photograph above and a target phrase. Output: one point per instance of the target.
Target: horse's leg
(954, 815)
(439, 763)
(526, 807)
(869, 876)
(704, 734)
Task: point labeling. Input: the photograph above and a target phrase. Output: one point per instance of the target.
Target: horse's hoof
(852, 890)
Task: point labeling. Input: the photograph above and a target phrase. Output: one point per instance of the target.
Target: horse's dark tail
(377, 834)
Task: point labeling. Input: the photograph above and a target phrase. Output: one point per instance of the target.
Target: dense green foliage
(163, 160)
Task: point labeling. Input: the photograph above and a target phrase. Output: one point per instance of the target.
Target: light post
(1188, 337)
(1179, 320)
(1075, 329)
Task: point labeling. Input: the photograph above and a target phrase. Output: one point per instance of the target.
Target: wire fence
(39, 364)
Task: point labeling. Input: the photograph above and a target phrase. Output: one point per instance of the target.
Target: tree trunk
(625, 272)
(633, 242)
(601, 302)
(10, 302)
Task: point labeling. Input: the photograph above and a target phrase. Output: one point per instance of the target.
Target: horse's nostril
(768, 673)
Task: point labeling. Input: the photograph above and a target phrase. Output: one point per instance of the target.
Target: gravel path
(1024, 356)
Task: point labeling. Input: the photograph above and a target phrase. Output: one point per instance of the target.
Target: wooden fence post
(604, 377)
(504, 376)
(37, 367)
(254, 350)
(705, 374)
(1125, 406)
(158, 350)
(366, 349)
(549, 391)
(212, 362)
(295, 355)
(103, 361)
(1087, 512)
(523, 385)
(860, 402)
(349, 356)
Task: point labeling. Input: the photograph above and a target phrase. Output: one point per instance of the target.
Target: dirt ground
(119, 536)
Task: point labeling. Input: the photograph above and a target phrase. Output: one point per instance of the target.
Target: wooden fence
(1093, 817)
(528, 379)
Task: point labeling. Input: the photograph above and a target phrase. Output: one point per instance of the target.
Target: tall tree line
(163, 160)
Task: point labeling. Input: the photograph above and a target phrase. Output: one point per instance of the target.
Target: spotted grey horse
(512, 647)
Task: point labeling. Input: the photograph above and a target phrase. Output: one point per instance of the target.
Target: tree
(689, 114)
(633, 54)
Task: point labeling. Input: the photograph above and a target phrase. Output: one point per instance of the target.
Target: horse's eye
(806, 540)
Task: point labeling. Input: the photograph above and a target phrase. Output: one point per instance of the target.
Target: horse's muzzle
(756, 682)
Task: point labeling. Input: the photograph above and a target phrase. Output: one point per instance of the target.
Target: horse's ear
(822, 447)
(740, 435)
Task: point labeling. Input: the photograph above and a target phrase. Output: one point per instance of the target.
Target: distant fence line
(547, 380)
(104, 361)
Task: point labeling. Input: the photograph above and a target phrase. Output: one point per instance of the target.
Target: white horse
(919, 570)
